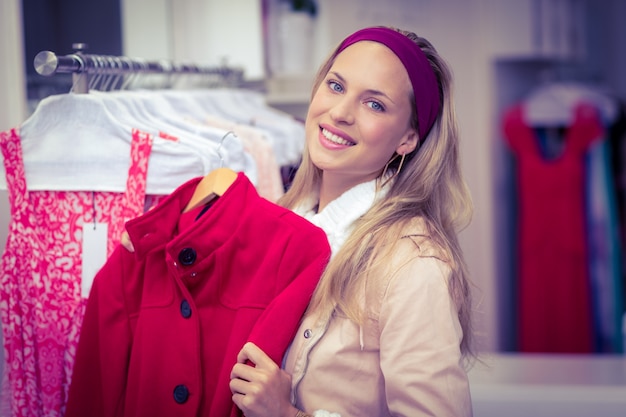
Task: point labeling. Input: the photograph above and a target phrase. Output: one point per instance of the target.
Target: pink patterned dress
(41, 305)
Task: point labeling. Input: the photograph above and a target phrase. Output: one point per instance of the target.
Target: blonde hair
(428, 186)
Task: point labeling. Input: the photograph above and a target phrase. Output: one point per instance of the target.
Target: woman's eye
(335, 86)
(376, 106)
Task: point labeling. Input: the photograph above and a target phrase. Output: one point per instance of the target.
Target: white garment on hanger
(157, 115)
(73, 142)
(246, 107)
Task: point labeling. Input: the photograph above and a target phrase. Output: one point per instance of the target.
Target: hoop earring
(397, 171)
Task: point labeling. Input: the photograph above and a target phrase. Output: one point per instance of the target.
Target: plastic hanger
(554, 103)
(214, 184)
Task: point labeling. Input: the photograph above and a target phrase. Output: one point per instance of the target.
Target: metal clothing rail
(85, 66)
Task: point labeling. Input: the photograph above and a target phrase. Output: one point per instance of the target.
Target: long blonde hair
(429, 185)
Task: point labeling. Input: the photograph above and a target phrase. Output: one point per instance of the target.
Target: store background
(498, 49)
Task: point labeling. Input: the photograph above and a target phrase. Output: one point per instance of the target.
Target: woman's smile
(334, 139)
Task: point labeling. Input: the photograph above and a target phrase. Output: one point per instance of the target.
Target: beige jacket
(404, 361)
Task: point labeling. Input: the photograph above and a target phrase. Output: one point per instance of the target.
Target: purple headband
(423, 80)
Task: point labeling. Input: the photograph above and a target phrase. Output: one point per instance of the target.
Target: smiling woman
(389, 323)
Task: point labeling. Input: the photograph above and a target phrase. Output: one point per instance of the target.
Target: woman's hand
(262, 390)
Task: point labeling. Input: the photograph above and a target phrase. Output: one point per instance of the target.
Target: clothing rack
(85, 67)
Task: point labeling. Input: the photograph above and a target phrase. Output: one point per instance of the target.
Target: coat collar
(167, 224)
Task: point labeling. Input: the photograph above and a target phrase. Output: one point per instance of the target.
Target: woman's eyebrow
(368, 91)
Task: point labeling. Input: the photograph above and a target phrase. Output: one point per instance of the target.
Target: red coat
(164, 324)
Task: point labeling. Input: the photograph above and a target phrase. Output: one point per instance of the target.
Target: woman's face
(360, 114)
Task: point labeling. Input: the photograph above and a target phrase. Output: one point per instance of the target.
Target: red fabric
(554, 290)
(256, 267)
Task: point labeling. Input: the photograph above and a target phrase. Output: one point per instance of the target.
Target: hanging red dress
(554, 299)
(41, 305)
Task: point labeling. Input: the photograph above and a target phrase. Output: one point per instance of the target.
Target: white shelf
(520, 385)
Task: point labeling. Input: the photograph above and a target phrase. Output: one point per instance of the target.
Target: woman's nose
(342, 111)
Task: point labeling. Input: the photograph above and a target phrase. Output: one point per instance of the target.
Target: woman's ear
(408, 143)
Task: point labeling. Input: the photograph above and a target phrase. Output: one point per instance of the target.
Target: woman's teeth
(335, 139)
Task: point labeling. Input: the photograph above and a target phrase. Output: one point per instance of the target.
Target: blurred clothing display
(570, 233)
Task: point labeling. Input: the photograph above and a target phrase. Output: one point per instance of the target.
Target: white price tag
(94, 253)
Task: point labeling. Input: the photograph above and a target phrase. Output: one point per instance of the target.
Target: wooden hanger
(214, 184)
